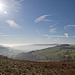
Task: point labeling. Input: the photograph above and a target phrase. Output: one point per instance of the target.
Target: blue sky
(37, 21)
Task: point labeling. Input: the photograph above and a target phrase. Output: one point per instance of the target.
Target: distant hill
(7, 51)
(4, 50)
(61, 52)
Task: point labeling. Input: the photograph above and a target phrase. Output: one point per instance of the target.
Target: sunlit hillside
(58, 53)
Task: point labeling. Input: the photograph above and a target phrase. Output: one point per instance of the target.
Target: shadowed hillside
(3, 57)
(9, 52)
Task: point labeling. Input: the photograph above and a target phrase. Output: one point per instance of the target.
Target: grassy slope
(49, 54)
(55, 53)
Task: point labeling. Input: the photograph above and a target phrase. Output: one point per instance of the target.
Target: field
(22, 67)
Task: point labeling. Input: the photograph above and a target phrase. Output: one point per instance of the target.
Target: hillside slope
(50, 54)
(21, 67)
(3, 57)
(7, 51)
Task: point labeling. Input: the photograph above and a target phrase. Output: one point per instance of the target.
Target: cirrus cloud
(12, 23)
(69, 26)
(41, 18)
(66, 35)
(53, 30)
(58, 36)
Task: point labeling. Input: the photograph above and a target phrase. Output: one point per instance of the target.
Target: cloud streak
(69, 26)
(52, 30)
(46, 20)
(58, 36)
(66, 35)
(54, 36)
(13, 5)
(73, 36)
(51, 26)
(37, 31)
(12, 23)
(16, 4)
(41, 18)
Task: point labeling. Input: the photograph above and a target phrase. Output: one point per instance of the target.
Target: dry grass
(20, 67)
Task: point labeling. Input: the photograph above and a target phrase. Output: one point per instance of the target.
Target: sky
(37, 22)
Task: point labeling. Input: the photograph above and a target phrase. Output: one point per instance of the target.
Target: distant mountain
(9, 52)
(61, 52)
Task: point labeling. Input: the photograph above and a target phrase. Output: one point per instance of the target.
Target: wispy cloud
(20, 1)
(47, 20)
(16, 2)
(57, 36)
(69, 26)
(54, 36)
(14, 5)
(42, 18)
(37, 31)
(73, 36)
(12, 23)
(51, 26)
(66, 35)
(53, 30)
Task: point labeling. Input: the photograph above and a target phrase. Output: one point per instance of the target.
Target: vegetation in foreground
(22, 67)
